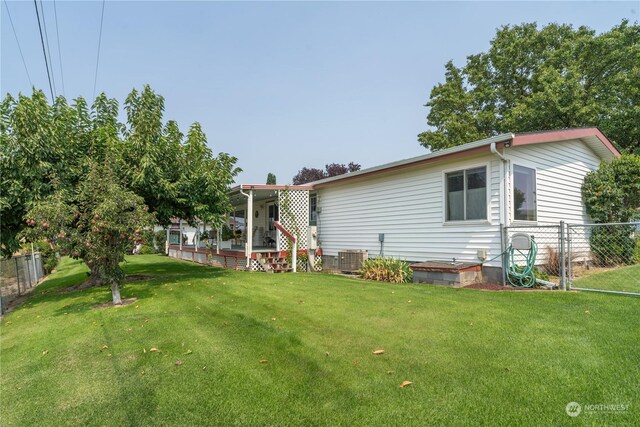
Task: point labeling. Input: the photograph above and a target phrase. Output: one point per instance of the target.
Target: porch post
(180, 238)
(249, 229)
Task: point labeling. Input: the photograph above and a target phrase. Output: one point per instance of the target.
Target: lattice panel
(256, 266)
(294, 210)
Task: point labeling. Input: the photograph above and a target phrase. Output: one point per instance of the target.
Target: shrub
(49, 258)
(386, 270)
(612, 245)
(147, 250)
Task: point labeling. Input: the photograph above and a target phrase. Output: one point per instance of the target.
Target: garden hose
(522, 277)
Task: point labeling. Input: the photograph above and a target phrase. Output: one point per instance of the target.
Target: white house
(447, 204)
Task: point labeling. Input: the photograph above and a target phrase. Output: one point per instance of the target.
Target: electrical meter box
(312, 241)
(521, 241)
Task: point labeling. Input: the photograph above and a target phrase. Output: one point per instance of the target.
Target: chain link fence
(604, 257)
(18, 275)
(592, 257)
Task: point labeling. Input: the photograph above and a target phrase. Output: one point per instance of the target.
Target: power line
(55, 12)
(44, 52)
(46, 37)
(18, 42)
(95, 79)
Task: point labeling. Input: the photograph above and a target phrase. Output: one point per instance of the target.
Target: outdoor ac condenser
(351, 261)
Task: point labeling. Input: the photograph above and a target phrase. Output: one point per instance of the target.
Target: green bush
(147, 250)
(612, 245)
(386, 270)
(49, 258)
(636, 256)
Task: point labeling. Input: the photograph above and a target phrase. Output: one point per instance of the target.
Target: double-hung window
(524, 193)
(466, 194)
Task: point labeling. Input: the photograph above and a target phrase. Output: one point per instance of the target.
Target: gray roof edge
(434, 154)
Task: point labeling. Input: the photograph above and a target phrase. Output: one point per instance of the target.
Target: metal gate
(586, 257)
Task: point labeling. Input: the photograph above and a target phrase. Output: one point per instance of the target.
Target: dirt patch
(497, 287)
(125, 302)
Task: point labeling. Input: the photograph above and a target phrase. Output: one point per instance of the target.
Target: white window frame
(512, 202)
(487, 166)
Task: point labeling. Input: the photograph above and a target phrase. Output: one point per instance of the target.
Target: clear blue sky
(280, 85)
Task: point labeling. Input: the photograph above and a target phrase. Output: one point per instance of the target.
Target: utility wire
(44, 52)
(55, 12)
(46, 37)
(95, 79)
(18, 42)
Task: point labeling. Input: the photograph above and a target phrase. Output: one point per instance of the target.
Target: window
(466, 194)
(524, 193)
(313, 209)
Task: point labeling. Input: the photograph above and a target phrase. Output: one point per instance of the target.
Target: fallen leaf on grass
(104, 347)
(154, 350)
(273, 318)
(178, 362)
(405, 383)
(188, 352)
(204, 368)
(44, 353)
(378, 352)
(264, 361)
(390, 372)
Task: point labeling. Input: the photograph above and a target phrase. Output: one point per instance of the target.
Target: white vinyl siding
(560, 171)
(408, 207)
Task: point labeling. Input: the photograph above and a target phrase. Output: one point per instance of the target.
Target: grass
(474, 357)
(624, 279)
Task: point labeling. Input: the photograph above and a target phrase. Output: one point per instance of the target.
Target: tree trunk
(95, 278)
(115, 293)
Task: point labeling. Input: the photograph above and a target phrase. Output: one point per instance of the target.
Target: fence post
(563, 284)
(28, 271)
(569, 268)
(17, 275)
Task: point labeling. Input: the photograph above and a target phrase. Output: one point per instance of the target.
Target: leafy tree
(306, 175)
(53, 157)
(271, 179)
(612, 194)
(533, 79)
(98, 224)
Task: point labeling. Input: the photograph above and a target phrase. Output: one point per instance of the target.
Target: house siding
(560, 171)
(408, 207)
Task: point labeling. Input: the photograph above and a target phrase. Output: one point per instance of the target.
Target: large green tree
(534, 79)
(53, 155)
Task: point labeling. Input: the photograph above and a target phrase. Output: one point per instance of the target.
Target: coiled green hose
(522, 277)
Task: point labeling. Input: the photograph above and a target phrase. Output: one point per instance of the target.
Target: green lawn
(474, 357)
(624, 279)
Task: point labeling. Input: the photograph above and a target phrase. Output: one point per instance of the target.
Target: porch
(260, 259)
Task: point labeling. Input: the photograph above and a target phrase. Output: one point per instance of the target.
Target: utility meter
(521, 241)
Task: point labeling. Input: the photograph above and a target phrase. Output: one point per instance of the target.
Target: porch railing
(294, 244)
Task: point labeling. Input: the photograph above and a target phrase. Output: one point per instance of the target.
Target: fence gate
(604, 257)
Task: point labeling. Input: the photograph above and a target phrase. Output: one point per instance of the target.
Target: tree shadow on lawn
(62, 286)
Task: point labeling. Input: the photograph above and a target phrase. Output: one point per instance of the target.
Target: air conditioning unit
(351, 260)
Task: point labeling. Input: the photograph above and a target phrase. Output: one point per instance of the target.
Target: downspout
(504, 210)
(248, 226)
